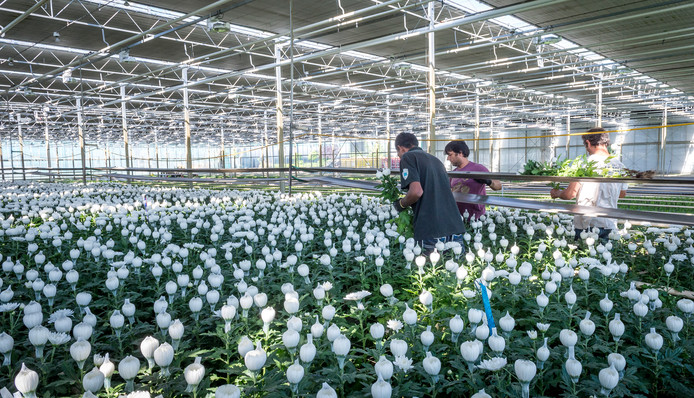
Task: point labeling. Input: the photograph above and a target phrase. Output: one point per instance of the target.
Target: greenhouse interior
(346, 198)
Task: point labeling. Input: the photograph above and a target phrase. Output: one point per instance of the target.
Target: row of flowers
(112, 289)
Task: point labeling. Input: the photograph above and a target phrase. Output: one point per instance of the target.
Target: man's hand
(555, 193)
(483, 181)
(398, 206)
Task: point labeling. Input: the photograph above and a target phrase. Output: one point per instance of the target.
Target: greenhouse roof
(356, 64)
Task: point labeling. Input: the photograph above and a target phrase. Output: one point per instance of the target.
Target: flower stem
(433, 388)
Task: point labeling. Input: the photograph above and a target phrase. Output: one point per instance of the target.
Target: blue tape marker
(487, 306)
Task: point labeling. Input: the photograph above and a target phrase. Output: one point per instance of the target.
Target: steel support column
(662, 141)
(292, 162)
(265, 144)
(2, 162)
(223, 156)
(333, 144)
(48, 145)
(497, 149)
(599, 104)
(11, 157)
(431, 79)
(126, 143)
(222, 163)
(320, 136)
(156, 150)
(390, 163)
(278, 113)
(476, 144)
(21, 146)
(568, 131)
(553, 143)
(491, 144)
(233, 145)
(80, 134)
(57, 159)
(186, 124)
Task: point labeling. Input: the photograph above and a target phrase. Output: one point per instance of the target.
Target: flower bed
(201, 292)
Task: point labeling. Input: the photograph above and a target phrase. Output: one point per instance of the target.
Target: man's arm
(567, 194)
(622, 194)
(413, 194)
(495, 185)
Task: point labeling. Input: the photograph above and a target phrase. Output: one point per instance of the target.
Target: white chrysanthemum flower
(9, 307)
(394, 325)
(139, 394)
(356, 296)
(403, 363)
(678, 257)
(493, 364)
(58, 338)
(542, 326)
(59, 314)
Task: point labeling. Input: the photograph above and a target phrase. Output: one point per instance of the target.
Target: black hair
(458, 147)
(596, 136)
(406, 140)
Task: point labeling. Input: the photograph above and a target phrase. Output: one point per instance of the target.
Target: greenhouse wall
(511, 148)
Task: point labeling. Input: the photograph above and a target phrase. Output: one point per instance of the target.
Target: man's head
(457, 152)
(596, 138)
(404, 142)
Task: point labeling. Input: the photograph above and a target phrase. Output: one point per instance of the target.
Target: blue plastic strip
(487, 307)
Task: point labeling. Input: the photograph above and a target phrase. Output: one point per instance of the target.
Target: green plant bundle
(537, 168)
(578, 167)
(390, 192)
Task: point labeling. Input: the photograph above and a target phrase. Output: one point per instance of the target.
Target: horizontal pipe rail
(590, 211)
(518, 177)
(551, 207)
(348, 170)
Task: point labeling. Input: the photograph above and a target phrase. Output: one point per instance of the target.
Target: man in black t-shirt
(436, 216)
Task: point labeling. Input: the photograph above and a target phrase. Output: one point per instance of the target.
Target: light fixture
(67, 76)
(233, 92)
(540, 61)
(124, 56)
(215, 24)
(547, 39)
(401, 67)
(304, 85)
(56, 35)
(10, 61)
(26, 91)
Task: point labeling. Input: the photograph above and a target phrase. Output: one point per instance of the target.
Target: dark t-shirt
(435, 213)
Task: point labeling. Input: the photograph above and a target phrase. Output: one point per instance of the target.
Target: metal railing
(311, 178)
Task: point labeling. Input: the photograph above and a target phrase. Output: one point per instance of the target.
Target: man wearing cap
(600, 194)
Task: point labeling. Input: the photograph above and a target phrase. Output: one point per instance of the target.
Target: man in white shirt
(597, 194)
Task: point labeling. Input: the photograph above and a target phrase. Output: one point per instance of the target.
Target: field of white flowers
(109, 289)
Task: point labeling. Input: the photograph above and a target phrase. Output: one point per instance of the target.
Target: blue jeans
(428, 245)
(603, 234)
